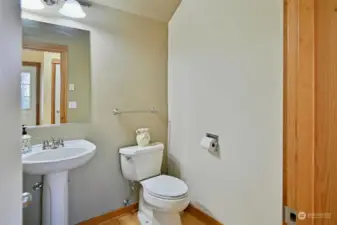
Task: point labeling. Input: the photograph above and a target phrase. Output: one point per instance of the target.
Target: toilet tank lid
(135, 150)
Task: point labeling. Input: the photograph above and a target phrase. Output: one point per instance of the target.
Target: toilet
(161, 197)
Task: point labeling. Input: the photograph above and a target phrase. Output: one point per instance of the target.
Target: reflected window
(25, 90)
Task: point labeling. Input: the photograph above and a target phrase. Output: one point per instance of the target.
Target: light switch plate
(71, 87)
(72, 104)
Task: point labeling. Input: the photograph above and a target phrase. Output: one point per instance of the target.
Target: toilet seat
(165, 187)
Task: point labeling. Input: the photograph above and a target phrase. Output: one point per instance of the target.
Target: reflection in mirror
(55, 60)
(33, 93)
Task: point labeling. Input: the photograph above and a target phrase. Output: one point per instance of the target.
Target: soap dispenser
(26, 141)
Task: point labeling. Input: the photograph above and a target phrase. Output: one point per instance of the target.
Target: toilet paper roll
(209, 143)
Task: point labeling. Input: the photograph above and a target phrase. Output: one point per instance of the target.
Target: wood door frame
(54, 62)
(63, 50)
(38, 86)
(299, 105)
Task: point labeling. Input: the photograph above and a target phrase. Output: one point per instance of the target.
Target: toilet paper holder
(216, 138)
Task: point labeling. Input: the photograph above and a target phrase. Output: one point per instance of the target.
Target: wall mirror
(55, 76)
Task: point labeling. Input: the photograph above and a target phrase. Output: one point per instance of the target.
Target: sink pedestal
(55, 199)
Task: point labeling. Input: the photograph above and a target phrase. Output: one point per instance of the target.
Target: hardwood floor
(131, 219)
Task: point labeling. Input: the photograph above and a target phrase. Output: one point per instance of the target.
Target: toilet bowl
(161, 197)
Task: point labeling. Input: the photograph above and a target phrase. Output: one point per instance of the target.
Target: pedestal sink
(54, 164)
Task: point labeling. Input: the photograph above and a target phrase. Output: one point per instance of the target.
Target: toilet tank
(139, 163)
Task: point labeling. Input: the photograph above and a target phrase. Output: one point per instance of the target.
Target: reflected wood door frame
(37, 65)
(63, 50)
(54, 63)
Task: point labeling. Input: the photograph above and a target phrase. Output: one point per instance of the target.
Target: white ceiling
(161, 10)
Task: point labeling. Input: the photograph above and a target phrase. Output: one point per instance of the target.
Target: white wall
(225, 77)
(10, 67)
(128, 71)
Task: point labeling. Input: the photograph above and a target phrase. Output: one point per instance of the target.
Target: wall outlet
(71, 87)
(72, 104)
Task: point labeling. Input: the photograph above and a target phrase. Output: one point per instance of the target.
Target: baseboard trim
(110, 215)
(200, 215)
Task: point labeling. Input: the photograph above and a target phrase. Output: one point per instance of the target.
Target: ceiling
(161, 10)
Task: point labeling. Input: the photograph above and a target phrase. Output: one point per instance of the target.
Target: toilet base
(150, 216)
(143, 219)
(159, 218)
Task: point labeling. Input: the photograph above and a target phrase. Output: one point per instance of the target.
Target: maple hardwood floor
(131, 219)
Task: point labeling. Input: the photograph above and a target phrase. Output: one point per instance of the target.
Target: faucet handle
(61, 142)
(45, 144)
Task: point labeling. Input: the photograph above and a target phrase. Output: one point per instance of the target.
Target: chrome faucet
(61, 142)
(45, 145)
(53, 144)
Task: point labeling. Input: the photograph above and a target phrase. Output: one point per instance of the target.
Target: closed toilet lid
(165, 186)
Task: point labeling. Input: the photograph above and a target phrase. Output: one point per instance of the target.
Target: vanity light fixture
(32, 4)
(73, 9)
(70, 8)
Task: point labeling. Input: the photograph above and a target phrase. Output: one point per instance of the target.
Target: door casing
(37, 65)
(53, 83)
(299, 104)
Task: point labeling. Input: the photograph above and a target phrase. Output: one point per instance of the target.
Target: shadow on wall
(173, 166)
(33, 213)
(174, 170)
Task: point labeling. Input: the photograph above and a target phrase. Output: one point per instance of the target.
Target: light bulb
(72, 8)
(32, 4)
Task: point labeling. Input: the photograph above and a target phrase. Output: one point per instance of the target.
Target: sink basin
(74, 154)
(54, 164)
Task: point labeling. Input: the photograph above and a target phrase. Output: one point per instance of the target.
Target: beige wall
(32, 56)
(129, 71)
(46, 85)
(225, 77)
(79, 70)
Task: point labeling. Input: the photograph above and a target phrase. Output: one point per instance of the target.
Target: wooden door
(310, 110)
(326, 112)
(30, 116)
